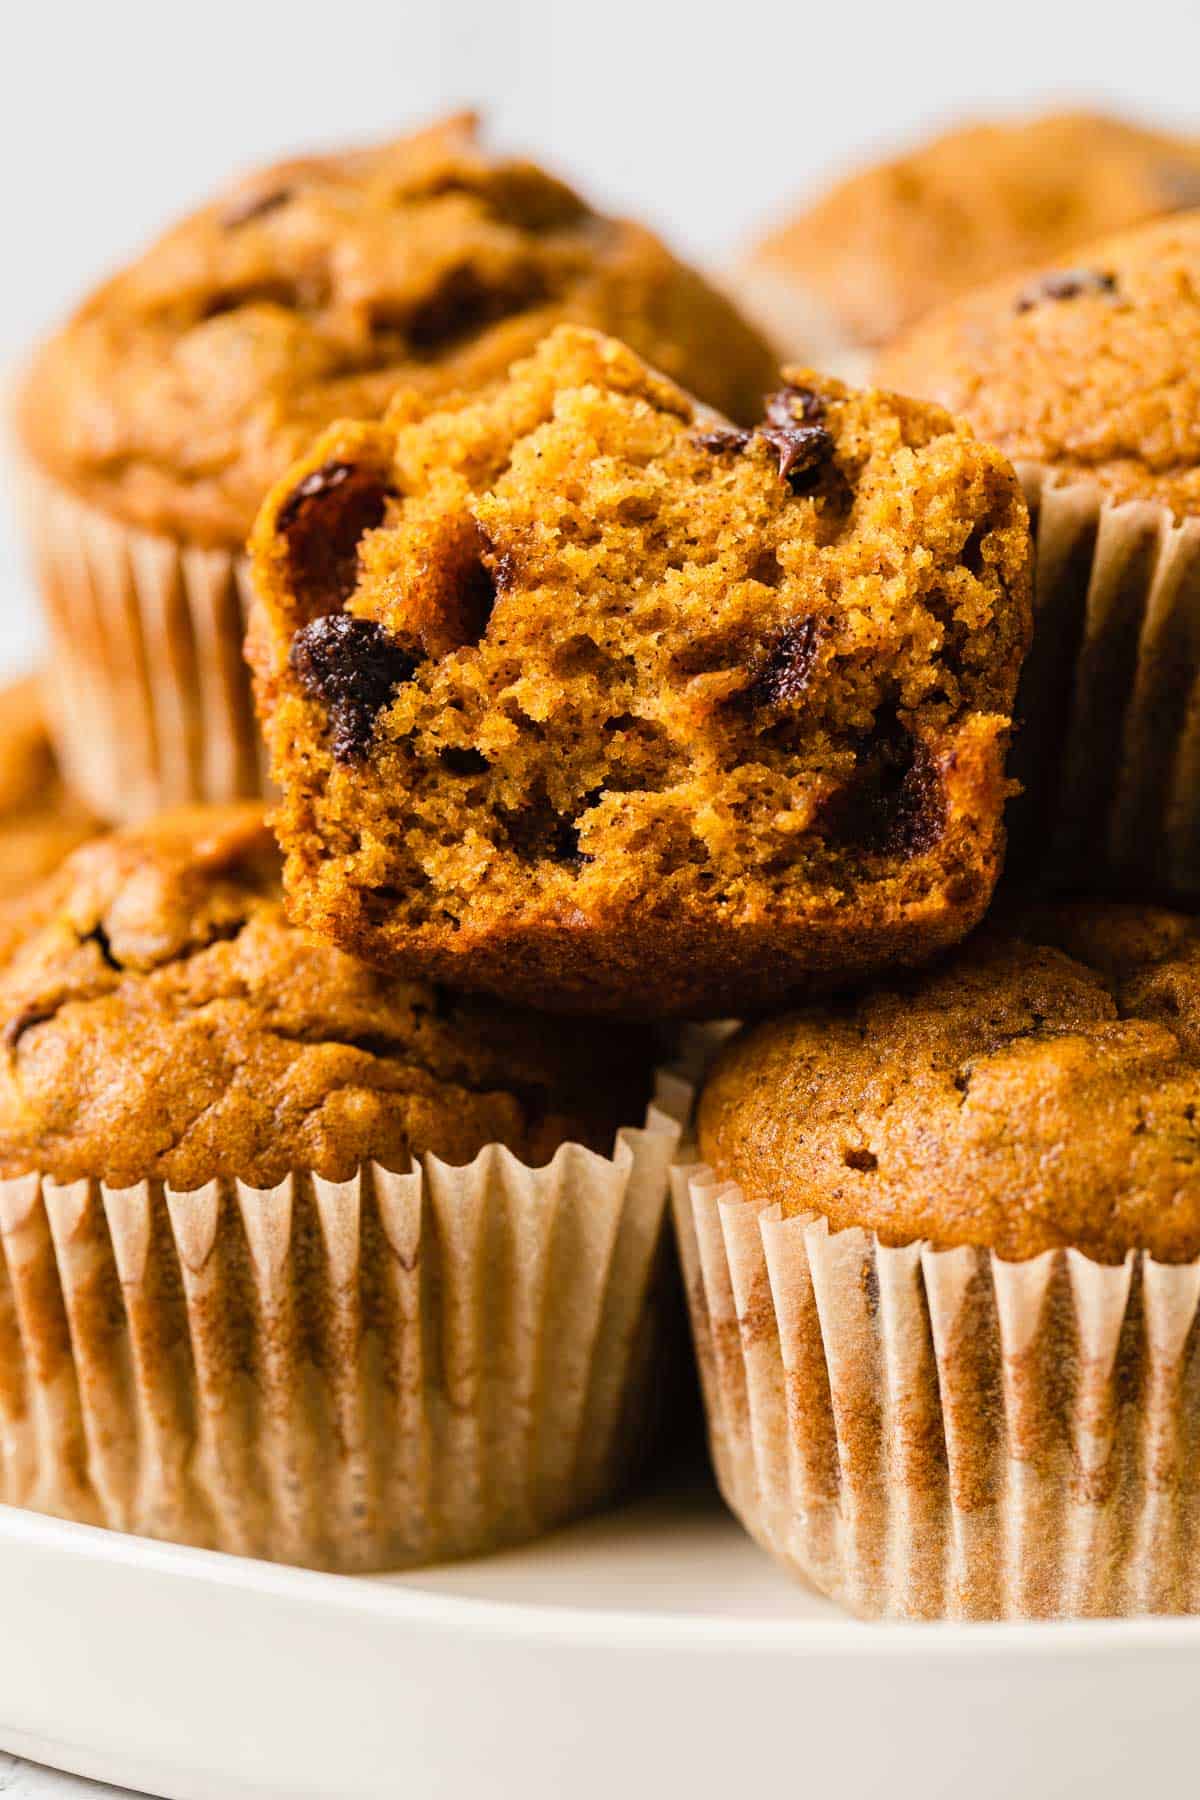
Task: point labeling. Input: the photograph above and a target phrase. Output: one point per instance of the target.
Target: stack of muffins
(607, 678)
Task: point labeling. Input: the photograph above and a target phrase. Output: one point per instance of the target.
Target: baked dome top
(1041, 1089)
(162, 1018)
(1091, 369)
(315, 289)
(891, 241)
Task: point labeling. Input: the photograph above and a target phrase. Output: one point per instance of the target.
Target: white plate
(653, 1652)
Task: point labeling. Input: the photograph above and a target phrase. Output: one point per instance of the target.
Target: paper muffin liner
(147, 688)
(369, 1374)
(1109, 705)
(931, 1433)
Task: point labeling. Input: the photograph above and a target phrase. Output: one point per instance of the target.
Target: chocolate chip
(1067, 284)
(893, 804)
(722, 440)
(796, 431)
(790, 406)
(803, 451)
(464, 304)
(322, 521)
(255, 206)
(353, 667)
(780, 675)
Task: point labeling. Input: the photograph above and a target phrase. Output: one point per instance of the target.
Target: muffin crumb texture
(1040, 1091)
(621, 707)
(161, 1019)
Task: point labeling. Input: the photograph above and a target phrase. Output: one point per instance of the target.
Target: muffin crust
(1041, 1090)
(315, 290)
(1090, 369)
(40, 822)
(613, 707)
(892, 241)
(163, 1020)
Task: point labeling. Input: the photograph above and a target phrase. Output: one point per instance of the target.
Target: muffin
(891, 241)
(40, 822)
(153, 424)
(301, 1261)
(621, 709)
(1087, 378)
(943, 1261)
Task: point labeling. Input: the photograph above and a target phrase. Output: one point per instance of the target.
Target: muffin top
(885, 245)
(39, 821)
(1092, 371)
(317, 288)
(162, 1019)
(1040, 1090)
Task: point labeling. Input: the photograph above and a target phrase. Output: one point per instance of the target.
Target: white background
(705, 118)
(116, 115)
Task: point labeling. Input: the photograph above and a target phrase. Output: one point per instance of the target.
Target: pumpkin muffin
(888, 243)
(320, 1265)
(1086, 376)
(960, 1214)
(622, 709)
(40, 822)
(155, 421)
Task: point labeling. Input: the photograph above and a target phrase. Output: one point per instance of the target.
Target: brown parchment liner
(369, 1374)
(1108, 748)
(147, 687)
(940, 1434)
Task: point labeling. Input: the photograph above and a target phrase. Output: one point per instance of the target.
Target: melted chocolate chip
(1067, 284)
(464, 304)
(722, 440)
(893, 805)
(322, 521)
(796, 431)
(780, 675)
(803, 451)
(353, 667)
(255, 206)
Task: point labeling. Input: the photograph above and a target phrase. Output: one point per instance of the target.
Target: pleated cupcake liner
(1108, 749)
(148, 693)
(938, 1434)
(371, 1374)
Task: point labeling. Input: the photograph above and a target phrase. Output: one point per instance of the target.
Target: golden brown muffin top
(890, 242)
(315, 290)
(574, 663)
(1092, 371)
(1040, 1090)
(163, 1019)
(39, 821)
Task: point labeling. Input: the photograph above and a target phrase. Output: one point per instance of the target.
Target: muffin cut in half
(943, 1261)
(300, 1260)
(578, 694)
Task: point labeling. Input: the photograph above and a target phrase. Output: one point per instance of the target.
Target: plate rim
(564, 1626)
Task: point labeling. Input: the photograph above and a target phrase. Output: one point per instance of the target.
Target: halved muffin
(578, 694)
